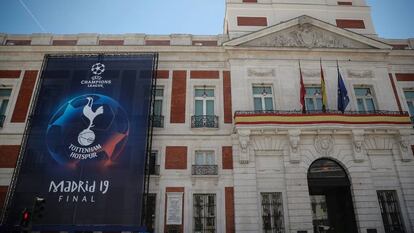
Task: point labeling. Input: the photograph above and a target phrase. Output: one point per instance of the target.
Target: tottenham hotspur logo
(98, 68)
(87, 136)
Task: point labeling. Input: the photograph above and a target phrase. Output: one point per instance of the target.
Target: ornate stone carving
(305, 35)
(261, 73)
(294, 139)
(244, 139)
(324, 144)
(403, 141)
(360, 74)
(357, 142)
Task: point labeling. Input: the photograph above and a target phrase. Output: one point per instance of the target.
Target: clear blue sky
(392, 18)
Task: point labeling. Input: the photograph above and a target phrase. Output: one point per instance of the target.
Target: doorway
(331, 199)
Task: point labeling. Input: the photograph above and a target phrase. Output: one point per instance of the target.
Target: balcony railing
(158, 121)
(204, 170)
(154, 170)
(2, 118)
(204, 121)
(321, 117)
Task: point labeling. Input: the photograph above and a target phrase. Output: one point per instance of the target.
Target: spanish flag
(323, 90)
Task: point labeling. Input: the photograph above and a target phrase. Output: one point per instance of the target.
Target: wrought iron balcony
(280, 117)
(204, 170)
(154, 170)
(204, 121)
(158, 121)
(2, 118)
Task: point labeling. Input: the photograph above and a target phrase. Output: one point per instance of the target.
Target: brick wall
(178, 96)
(405, 77)
(10, 73)
(176, 157)
(251, 21)
(350, 23)
(25, 95)
(204, 74)
(229, 205)
(227, 157)
(9, 155)
(228, 112)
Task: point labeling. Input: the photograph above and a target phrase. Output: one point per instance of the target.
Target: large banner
(85, 149)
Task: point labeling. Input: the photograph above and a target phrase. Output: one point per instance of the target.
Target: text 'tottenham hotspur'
(78, 191)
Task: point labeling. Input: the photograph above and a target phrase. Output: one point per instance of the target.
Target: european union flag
(343, 98)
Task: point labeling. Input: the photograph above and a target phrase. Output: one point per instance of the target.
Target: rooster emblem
(87, 136)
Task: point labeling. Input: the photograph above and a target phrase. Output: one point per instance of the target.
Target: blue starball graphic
(90, 127)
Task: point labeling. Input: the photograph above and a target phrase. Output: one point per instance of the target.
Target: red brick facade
(176, 157)
(251, 21)
(250, 1)
(227, 157)
(25, 95)
(204, 74)
(229, 205)
(10, 73)
(228, 111)
(205, 42)
(163, 74)
(405, 77)
(178, 96)
(157, 42)
(64, 42)
(345, 3)
(9, 155)
(111, 42)
(350, 23)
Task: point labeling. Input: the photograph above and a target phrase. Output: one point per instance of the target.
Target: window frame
(205, 160)
(397, 207)
(263, 97)
(159, 98)
(216, 226)
(204, 100)
(409, 100)
(365, 98)
(314, 98)
(281, 206)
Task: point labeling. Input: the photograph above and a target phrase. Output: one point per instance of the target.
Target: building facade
(230, 138)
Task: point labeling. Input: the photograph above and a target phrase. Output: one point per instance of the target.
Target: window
(204, 109)
(158, 120)
(204, 213)
(4, 101)
(409, 96)
(390, 211)
(365, 99)
(272, 213)
(153, 167)
(150, 203)
(263, 98)
(313, 98)
(204, 101)
(204, 158)
(205, 163)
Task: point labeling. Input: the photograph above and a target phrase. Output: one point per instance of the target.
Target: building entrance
(331, 199)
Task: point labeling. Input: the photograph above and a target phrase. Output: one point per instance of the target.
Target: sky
(392, 18)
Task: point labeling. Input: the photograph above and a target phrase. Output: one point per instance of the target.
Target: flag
(323, 91)
(302, 91)
(343, 98)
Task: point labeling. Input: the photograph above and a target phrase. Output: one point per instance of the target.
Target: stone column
(246, 204)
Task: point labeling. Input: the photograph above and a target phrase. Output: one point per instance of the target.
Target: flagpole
(302, 90)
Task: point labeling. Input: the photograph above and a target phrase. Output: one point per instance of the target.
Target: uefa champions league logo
(87, 127)
(87, 136)
(96, 80)
(98, 68)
